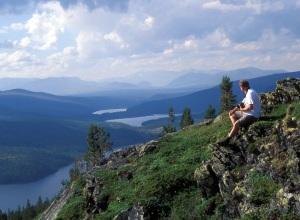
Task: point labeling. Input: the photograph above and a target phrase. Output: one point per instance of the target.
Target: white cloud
(149, 22)
(246, 46)
(217, 39)
(152, 35)
(257, 6)
(115, 37)
(15, 58)
(95, 45)
(17, 26)
(25, 42)
(218, 5)
(87, 43)
(63, 60)
(45, 25)
(213, 41)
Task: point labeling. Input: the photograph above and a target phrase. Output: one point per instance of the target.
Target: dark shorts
(244, 120)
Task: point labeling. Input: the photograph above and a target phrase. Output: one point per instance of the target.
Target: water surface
(138, 121)
(14, 195)
(101, 112)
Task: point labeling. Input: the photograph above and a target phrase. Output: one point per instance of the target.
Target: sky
(99, 39)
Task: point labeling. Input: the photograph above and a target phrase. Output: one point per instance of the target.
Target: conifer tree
(227, 97)
(171, 120)
(210, 112)
(186, 118)
(98, 143)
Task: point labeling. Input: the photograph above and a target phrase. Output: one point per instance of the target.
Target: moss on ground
(74, 209)
(261, 188)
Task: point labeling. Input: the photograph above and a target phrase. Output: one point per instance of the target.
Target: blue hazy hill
(42, 132)
(199, 101)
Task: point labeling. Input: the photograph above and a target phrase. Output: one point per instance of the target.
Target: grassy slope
(164, 180)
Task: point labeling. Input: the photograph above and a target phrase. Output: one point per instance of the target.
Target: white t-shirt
(252, 98)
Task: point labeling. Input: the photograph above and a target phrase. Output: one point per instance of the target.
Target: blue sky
(97, 39)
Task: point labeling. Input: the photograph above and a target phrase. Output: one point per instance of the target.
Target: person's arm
(247, 108)
(232, 111)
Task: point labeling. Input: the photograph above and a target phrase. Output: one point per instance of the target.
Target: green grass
(160, 176)
(296, 112)
(262, 187)
(189, 204)
(280, 111)
(163, 180)
(74, 209)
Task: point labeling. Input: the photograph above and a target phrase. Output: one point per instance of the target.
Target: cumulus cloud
(17, 26)
(45, 25)
(91, 45)
(218, 5)
(255, 5)
(149, 22)
(13, 59)
(25, 42)
(102, 37)
(115, 38)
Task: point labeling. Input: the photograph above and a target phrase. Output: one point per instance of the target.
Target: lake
(14, 195)
(101, 112)
(138, 121)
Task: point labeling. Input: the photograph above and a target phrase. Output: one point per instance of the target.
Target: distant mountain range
(61, 85)
(25, 102)
(199, 101)
(139, 86)
(196, 79)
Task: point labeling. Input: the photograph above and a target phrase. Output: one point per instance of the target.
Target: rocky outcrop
(92, 189)
(135, 213)
(55, 207)
(259, 170)
(95, 203)
(286, 91)
(122, 157)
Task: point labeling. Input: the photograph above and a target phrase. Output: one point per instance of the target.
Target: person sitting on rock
(245, 113)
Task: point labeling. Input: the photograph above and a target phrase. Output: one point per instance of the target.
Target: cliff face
(189, 175)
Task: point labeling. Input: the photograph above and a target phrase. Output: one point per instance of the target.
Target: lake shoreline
(16, 195)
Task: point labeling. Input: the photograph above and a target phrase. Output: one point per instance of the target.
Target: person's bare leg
(233, 119)
(234, 130)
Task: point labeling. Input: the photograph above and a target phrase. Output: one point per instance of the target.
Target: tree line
(227, 100)
(27, 212)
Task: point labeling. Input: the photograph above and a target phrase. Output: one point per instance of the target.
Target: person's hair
(244, 84)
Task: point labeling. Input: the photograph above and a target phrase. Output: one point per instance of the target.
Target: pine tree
(210, 112)
(227, 97)
(171, 120)
(98, 143)
(39, 205)
(186, 118)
